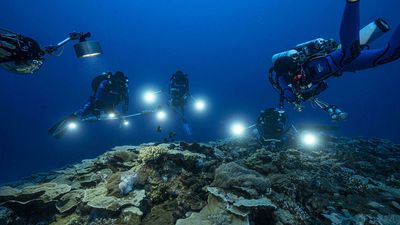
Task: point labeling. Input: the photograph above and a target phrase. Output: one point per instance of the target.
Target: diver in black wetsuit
(109, 91)
(19, 54)
(271, 126)
(179, 94)
(23, 55)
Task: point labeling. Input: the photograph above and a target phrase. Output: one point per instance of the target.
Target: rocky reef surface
(238, 182)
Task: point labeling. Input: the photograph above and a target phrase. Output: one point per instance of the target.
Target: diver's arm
(287, 90)
(100, 92)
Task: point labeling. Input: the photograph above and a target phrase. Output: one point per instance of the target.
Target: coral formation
(128, 180)
(344, 181)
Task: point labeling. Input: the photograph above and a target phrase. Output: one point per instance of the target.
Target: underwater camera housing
(319, 47)
(302, 52)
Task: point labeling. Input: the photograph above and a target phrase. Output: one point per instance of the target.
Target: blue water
(224, 46)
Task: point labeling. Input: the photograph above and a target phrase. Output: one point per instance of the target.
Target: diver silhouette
(178, 96)
(109, 91)
(23, 55)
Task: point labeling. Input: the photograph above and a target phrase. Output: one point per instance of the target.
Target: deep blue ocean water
(224, 46)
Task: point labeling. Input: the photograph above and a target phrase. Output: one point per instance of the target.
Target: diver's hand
(50, 49)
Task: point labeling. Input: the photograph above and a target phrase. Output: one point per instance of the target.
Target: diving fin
(59, 129)
(187, 129)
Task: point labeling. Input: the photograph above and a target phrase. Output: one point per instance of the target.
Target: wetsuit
(271, 125)
(178, 89)
(108, 95)
(349, 58)
(19, 54)
(179, 92)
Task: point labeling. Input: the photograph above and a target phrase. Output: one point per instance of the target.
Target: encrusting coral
(230, 182)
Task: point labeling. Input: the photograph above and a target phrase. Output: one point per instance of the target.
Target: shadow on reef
(238, 182)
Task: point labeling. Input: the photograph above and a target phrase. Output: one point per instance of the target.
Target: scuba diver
(271, 126)
(179, 94)
(109, 91)
(23, 55)
(300, 74)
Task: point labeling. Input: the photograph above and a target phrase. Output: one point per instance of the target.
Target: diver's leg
(374, 57)
(86, 110)
(60, 128)
(350, 32)
(186, 126)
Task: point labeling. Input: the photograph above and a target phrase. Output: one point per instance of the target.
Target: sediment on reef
(343, 181)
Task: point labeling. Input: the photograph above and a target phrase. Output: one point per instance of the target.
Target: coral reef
(229, 182)
(128, 180)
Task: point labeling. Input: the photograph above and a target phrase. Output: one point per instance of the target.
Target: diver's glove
(336, 114)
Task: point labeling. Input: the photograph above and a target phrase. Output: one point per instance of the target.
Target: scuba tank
(373, 31)
(310, 49)
(100, 78)
(319, 47)
(291, 53)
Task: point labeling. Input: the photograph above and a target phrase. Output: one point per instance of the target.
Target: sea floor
(343, 181)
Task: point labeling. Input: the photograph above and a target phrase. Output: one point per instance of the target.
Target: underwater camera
(317, 47)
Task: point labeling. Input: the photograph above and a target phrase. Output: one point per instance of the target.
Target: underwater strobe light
(72, 126)
(200, 105)
(85, 49)
(309, 139)
(150, 97)
(126, 123)
(112, 115)
(238, 129)
(161, 115)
